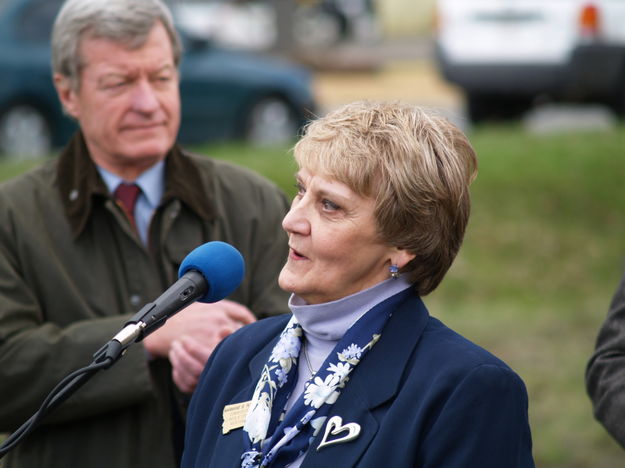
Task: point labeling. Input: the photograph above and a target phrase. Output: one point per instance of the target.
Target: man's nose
(144, 98)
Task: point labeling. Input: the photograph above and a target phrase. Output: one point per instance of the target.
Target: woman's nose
(296, 220)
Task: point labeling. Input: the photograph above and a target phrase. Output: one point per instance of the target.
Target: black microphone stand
(103, 359)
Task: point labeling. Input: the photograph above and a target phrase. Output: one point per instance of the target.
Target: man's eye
(114, 84)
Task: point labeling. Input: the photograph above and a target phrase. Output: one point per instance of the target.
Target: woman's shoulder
(256, 335)
(263, 327)
(452, 353)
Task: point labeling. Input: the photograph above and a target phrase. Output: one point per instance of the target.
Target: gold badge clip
(234, 416)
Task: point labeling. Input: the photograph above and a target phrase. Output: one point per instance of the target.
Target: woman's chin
(285, 281)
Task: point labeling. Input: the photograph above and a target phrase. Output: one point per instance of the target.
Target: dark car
(225, 94)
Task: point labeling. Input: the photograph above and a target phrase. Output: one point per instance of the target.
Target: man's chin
(150, 149)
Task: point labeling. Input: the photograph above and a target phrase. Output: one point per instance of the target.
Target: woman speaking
(360, 375)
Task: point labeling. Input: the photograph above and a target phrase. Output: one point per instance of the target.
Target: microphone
(208, 273)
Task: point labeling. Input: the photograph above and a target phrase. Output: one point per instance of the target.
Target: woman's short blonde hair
(416, 165)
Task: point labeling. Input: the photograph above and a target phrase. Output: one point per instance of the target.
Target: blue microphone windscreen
(221, 265)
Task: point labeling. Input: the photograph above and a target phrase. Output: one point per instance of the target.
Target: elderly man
(91, 236)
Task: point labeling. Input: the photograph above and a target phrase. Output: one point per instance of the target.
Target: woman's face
(334, 247)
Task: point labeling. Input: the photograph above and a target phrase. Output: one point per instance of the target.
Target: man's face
(128, 104)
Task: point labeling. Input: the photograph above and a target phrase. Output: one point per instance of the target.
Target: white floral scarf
(275, 438)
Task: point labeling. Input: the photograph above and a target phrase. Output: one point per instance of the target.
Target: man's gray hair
(125, 21)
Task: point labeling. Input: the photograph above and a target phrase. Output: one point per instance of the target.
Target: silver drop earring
(394, 270)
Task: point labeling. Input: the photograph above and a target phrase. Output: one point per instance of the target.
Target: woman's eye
(330, 206)
(300, 189)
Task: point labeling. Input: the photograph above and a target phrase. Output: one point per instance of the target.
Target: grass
(541, 259)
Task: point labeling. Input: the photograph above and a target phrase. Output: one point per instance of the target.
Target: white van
(506, 54)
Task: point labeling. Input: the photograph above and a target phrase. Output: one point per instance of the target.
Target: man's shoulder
(227, 171)
(236, 185)
(26, 184)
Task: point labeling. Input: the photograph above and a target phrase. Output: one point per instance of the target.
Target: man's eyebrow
(167, 66)
(110, 75)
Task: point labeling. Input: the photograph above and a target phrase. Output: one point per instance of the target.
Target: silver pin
(334, 427)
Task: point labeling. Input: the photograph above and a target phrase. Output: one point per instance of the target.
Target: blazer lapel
(230, 446)
(258, 361)
(375, 380)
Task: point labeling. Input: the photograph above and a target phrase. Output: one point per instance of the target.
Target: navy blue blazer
(423, 396)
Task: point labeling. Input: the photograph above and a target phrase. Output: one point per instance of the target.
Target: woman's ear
(401, 257)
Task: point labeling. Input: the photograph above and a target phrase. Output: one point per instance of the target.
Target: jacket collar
(81, 187)
(399, 338)
(362, 393)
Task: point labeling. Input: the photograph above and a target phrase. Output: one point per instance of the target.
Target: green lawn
(543, 254)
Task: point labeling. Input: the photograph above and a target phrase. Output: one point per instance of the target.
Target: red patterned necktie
(126, 195)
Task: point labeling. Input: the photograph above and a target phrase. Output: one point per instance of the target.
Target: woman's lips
(296, 255)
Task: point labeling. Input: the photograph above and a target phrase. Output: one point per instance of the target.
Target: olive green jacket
(72, 271)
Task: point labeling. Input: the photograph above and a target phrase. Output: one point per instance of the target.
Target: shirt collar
(330, 320)
(151, 182)
(81, 187)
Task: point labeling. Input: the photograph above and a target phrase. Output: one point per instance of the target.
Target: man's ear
(67, 95)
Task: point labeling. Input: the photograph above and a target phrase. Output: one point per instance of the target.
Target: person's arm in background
(36, 354)
(189, 338)
(61, 299)
(264, 255)
(605, 373)
(256, 208)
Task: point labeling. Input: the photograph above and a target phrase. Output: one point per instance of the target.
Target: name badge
(234, 416)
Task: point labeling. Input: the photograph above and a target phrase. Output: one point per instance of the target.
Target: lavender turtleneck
(325, 324)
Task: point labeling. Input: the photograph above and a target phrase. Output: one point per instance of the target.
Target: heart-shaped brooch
(335, 427)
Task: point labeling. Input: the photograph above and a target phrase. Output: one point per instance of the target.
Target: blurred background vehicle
(330, 22)
(507, 55)
(225, 94)
(252, 24)
(246, 25)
